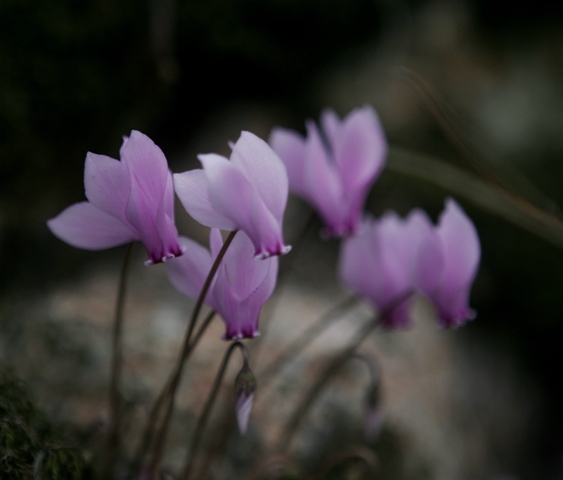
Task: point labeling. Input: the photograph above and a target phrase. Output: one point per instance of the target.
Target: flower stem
(202, 422)
(172, 386)
(148, 434)
(304, 339)
(112, 446)
(308, 400)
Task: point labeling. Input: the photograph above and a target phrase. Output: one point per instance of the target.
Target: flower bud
(245, 388)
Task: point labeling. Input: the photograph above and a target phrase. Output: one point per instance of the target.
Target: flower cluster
(391, 259)
(333, 168)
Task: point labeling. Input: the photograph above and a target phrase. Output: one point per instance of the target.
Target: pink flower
(391, 259)
(247, 193)
(131, 199)
(334, 173)
(240, 288)
(377, 264)
(447, 264)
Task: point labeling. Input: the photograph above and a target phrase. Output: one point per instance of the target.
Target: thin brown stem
(304, 339)
(202, 422)
(308, 400)
(113, 441)
(172, 387)
(148, 434)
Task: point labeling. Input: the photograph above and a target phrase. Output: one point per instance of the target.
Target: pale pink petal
(429, 259)
(188, 272)
(331, 126)
(360, 150)
(243, 286)
(243, 273)
(84, 226)
(141, 215)
(232, 196)
(242, 317)
(324, 188)
(227, 307)
(376, 264)
(107, 184)
(192, 190)
(243, 408)
(462, 253)
(165, 223)
(215, 242)
(147, 168)
(264, 170)
(461, 244)
(290, 147)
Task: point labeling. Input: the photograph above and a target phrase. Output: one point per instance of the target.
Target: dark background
(77, 75)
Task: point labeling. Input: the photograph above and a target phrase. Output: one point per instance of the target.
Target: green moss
(30, 448)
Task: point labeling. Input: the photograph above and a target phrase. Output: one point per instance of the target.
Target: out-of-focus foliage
(30, 447)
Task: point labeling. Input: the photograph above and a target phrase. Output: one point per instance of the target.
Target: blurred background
(75, 76)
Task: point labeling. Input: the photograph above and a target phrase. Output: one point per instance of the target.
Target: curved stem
(308, 400)
(198, 434)
(177, 375)
(304, 339)
(112, 447)
(148, 434)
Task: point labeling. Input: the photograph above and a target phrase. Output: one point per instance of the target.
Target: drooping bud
(245, 388)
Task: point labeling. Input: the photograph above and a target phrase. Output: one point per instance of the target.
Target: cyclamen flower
(391, 259)
(378, 262)
(447, 264)
(240, 288)
(131, 199)
(334, 173)
(247, 193)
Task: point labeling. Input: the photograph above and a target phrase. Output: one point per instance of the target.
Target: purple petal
(264, 170)
(147, 167)
(165, 223)
(461, 243)
(243, 408)
(215, 242)
(192, 190)
(84, 226)
(147, 210)
(290, 147)
(243, 286)
(331, 126)
(243, 273)
(232, 196)
(376, 263)
(107, 184)
(429, 260)
(462, 253)
(188, 273)
(324, 188)
(360, 149)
